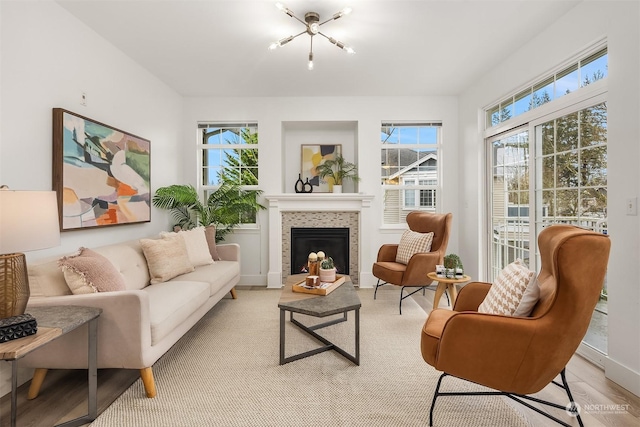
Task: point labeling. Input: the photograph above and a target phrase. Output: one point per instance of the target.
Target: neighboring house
(417, 180)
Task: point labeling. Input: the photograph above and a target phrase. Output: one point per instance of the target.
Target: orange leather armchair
(414, 274)
(521, 355)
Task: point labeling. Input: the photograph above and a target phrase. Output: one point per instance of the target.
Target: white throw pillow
(197, 246)
(166, 258)
(412, 243)
(507, 292)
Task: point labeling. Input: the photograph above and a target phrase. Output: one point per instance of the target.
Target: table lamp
(28, 221)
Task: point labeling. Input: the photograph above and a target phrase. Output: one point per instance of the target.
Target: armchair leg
(378, 284)
(571, 408)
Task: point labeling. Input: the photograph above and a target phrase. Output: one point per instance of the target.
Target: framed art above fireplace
(312, 156)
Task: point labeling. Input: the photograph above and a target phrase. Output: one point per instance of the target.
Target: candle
(320, 256)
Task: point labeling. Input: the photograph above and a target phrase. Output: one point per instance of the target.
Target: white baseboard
(622, 376)
(367, 280)
(253, 279)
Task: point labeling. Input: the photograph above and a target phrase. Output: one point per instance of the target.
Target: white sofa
(137, 325)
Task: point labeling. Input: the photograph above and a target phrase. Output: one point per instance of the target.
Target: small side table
(448, 284)
(53, 322)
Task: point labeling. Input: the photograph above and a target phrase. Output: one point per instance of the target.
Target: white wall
(583, 25)
(283, 123)
(48, 59)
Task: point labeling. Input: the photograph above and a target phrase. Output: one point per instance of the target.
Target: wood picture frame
(101, 174)
(313, 155)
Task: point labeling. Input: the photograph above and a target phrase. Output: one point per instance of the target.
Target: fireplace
(334, 242)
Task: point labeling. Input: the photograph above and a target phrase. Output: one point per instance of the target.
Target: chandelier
(312, 27)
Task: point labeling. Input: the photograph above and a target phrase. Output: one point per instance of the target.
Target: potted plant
(451, 263)
(338, 170)
(223, 208)
(327, 271)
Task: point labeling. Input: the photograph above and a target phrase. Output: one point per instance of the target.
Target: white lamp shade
(28, 221)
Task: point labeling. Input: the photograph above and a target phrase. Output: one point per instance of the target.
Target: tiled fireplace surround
(288, 211)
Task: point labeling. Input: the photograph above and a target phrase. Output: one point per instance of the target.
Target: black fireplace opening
(334, 242)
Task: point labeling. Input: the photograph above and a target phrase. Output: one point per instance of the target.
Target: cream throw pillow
(412, 243)
(196, 242)
(507, 292)
(87, 272)
(166, 258)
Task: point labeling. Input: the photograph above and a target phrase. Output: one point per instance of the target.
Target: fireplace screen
(334, 242)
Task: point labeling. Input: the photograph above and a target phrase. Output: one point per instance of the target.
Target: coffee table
(342, 300)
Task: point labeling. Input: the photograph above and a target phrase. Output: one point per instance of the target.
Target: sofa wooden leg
(147, 379)
(233, 293)
(36, 382)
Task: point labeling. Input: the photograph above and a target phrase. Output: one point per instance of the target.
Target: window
(579, 74)
(409, 173)
(550, 170)
(228, 154)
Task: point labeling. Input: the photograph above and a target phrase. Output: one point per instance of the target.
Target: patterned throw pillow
(166, 258)
(88, 272)
(412, 243)
(507, 292)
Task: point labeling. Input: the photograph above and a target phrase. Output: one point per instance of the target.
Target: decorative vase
(327, 275)
(337, 188)
(299, 186)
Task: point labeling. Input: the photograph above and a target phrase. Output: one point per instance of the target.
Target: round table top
(433, 276)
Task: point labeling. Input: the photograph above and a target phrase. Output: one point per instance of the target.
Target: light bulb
(280, 6)
(349, 50)
(347, 10)
(310, 64)
(274, 46)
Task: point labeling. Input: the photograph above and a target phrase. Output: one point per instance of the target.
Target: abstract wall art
(101, 174)
(314, 155)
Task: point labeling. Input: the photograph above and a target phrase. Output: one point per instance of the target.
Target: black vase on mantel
(303, 187)
(299, 187)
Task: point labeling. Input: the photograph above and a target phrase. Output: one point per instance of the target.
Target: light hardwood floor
(63, 394)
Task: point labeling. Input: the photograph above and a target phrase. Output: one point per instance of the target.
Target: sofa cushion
(210, 234)
(166, 258)
(218, 274)
(197, 246)
(171, 303)
(127, 257)
(412, 243)
(87, 272)
(508, 289)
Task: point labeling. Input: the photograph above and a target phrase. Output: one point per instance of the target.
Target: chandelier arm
(333, 41)
(298, 35)
(298, 19)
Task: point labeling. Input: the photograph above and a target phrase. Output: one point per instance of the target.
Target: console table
(53, 322)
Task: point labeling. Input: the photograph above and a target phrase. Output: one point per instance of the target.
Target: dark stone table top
(64, 317)
(343, 298)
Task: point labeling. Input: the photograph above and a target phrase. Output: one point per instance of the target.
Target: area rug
(226, 372)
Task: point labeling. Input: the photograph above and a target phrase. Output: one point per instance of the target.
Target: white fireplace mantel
(298, 202)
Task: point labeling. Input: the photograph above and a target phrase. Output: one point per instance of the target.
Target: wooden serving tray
(319, 291)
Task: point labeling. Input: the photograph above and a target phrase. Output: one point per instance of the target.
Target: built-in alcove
(295, 134)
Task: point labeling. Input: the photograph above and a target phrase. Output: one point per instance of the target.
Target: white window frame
(403, 188)
(203, 188)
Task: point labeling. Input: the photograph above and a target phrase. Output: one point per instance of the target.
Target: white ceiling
(219, 47)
